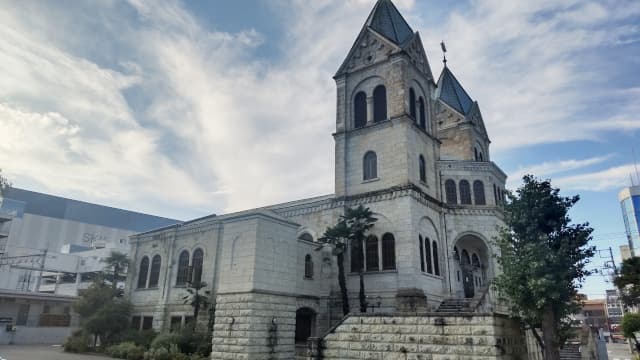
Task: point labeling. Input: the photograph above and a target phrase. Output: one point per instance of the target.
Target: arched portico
(471, 264)
(305, 325)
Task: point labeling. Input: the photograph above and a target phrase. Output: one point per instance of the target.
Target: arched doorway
(471, 265)
(305, 325)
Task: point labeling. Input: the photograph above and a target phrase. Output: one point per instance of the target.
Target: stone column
(369, 110)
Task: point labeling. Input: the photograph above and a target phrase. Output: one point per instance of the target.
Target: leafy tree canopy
(543, 258)
(628, 281)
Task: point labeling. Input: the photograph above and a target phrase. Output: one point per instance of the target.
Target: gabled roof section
(452, 93)
(387, 21)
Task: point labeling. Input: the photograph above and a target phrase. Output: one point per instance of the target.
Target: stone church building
(411, 147)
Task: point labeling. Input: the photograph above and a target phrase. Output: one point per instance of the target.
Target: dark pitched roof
(452, 93)
(31, 202)
(386, 20)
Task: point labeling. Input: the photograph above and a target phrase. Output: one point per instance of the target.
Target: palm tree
(359, 221)
(338, 237)
(196, 300)
(118, 263)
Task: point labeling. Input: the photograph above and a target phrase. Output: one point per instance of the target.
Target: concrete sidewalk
(39, 352)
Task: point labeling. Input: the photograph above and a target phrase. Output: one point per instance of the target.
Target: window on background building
(135, 322)
(478, 193)
(360, 110)
(388, 252)
(370, 166)
(423, 119)
(176, 323)
(147, 323)
(436, 263)
(308, 267)
(421, 252)
(183, 268)
(465, 192)
(427, 255)
(154, 274)
(450, 191)
(412, 103)
(423, 169)
(196, 263)
(371, 244)
(143, 273)
(379, 103)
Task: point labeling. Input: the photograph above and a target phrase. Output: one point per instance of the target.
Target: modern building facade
(614, 310)
(411, 147)
(630, 202)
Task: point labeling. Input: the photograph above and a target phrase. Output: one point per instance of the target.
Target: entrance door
(467, 282)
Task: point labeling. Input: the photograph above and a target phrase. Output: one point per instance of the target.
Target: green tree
(352, 228)
(117, 263)
(543, 258)
(628, 281)
(338, 237)
(630, 326)
(196, 299)
(102, 312)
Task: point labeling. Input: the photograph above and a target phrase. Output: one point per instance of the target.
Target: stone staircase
(570, 352)
(455, 306)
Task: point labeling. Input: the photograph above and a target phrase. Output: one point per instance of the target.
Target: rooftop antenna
(635, 164)
(444, 53)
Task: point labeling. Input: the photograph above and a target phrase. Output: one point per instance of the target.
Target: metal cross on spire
(444, 53)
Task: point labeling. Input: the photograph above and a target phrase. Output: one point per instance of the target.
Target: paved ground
(615, 352)
(20, 352)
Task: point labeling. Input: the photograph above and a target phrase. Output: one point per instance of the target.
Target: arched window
(423, 118)
(427, 254)
(388, 252)
(308, 267)
(478, 193)
(379, 103)
(465, 192)
(356, 256)
(475, 153)
(450, 191)
(360, 110)
(475, 261)
(480, 157)
(421, 253)
(456, 254)
(436, 264)
(423, 169)
(183, 268)
(306, 237)
(371, 253)
(370, 166)
(154, 274)
(196, 263)
(465, 258)
(143, 272)
(412, 103)
(495, 194)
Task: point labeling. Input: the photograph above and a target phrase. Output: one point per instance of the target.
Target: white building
(411, 147)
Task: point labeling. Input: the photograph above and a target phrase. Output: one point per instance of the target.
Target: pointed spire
(386, 20)
(452, 93)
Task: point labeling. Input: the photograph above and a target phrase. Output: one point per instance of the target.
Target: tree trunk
(550, 334)
(363, 297)
(343, 284)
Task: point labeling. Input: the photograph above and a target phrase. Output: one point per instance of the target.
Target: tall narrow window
(465, 192)
(360, 110)
(475, 153)
(372, 253)
(450, 191)
(379, 103)
(154, 274)
(183, 268)
(356, 256)
(423, 170)
(475, 261)
(436, 263)
(412, 103)
(308, 267)
(143, 273)
(423, 118)
(388, 252)
(370, 166)
(478, 193)
(427, 254)
(495, 194)
(196, 263)
(421, 253)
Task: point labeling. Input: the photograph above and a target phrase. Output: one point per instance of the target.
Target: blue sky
(183, 109)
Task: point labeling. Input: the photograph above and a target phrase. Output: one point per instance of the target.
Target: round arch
(305, 325)
(471, 275)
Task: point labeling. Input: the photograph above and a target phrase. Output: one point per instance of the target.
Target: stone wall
(428, 336)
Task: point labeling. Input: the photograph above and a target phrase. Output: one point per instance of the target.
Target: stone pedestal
(411, 301)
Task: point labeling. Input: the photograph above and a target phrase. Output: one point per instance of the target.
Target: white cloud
(548, 168)
(612, 178)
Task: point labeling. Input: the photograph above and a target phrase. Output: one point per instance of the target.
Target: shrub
(78, 342)
(141, 338)
(160, 353)
(165, 340)
(136, 353)
(126, 350)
